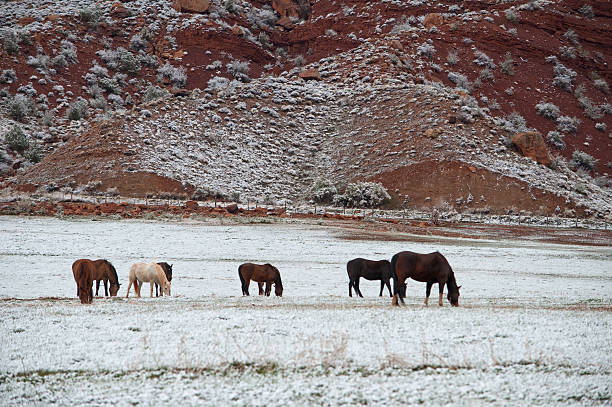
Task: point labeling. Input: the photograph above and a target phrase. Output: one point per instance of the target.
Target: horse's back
(369, 269)
(257, 272)
(424, 267)
(144, 272)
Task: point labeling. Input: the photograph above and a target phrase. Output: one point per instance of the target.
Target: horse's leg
(97, 286)
(357, 287)
(427, 292)
(350, 288)
(268, 288)
(105, 288)
(389, 288)
(137, 287)
(441, 285)
(128, 290)
(382, 287)
(246, 286)
(261, 288)
(151, 284)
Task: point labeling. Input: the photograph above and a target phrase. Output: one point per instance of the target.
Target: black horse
(370, 270)
(168, 272)
(428, 268)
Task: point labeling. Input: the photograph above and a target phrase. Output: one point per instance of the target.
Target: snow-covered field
(533, 326)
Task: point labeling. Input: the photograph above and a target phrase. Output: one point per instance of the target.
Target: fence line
(401, 215)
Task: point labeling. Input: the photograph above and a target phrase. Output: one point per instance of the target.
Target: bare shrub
(363, 195)
(452, 58)
(176, 76)
(512, 15)
(507, 66)
(580, 159)
(556, 139)
(548, 110)
(568, 124)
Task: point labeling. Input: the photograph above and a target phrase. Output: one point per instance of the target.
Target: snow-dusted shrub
(556, 139)
(482, 59)
(239, 69)
(264, 40)
(602, 85)
(571, 36)
(217, 83)
(564, 77)
(515, 123)
(329, 32)
(148, 60)
(68, 50)
(590, 109)
(452, 58)
(137, 42)
(426, 49)
(153, 93)
(34, 153)
(77, 109)
(48, 118)
(116, 100)
(580, 159)
(548, 110)
(59, 61)
(99, 71)
(323, 191)
(567, 124)
(38, 61)
(567, 52)
(98, 102)
(214, 66)
(20, 107)
(17, 140)
(512, 15)
(8, 76)
(262, 18)
(11, 42)
(92, 16)
(299, 60)
(120, 59)
(110, 85)
(363, 195)
(587, 11)
(401, 27)
(486, 75)
(460, 80)
(176, 76)
(507, 66)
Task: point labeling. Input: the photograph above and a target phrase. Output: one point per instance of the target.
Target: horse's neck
(451, 283)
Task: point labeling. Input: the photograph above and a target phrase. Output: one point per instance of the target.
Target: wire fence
(401, 215)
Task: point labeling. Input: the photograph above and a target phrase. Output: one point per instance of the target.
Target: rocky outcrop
(433, 19)
(191, 6)
(532, 145)
(292, 8)
(310, 74)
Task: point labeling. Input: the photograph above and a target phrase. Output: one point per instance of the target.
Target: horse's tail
(240, 275)
(396, 290)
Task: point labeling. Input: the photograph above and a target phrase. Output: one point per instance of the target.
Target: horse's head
(166, 287)
(114, 288)
(453, 297)
(278, 284)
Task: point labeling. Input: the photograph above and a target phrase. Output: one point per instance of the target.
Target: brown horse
(261, 273)
(168, 271)
(370, 270)
(106, 272)
(83, 271)
(428, 268)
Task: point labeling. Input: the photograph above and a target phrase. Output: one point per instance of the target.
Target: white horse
(141, 273)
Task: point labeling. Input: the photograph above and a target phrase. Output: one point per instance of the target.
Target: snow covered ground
(533, 327)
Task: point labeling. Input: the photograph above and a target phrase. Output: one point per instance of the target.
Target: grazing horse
(428, 268)
(105, 272)
(370, 270)
(168, 271)
(83, 271)
(141, 273)
(261, 273)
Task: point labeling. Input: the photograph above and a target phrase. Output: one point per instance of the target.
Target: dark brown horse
(106, 272)
(261, 273)
(370, 270)
(428, 268)
(168, 272)
(83, 271)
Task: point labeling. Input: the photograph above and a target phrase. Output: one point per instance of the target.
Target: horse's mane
(277, 279)
(110, 265)
(450, 282)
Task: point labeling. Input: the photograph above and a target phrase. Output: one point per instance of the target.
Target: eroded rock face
(532, 145)
(433, 19)
(310, 74)
(191, 6)
(292, 8)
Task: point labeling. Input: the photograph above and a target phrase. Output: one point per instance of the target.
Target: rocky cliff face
(262, 98)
